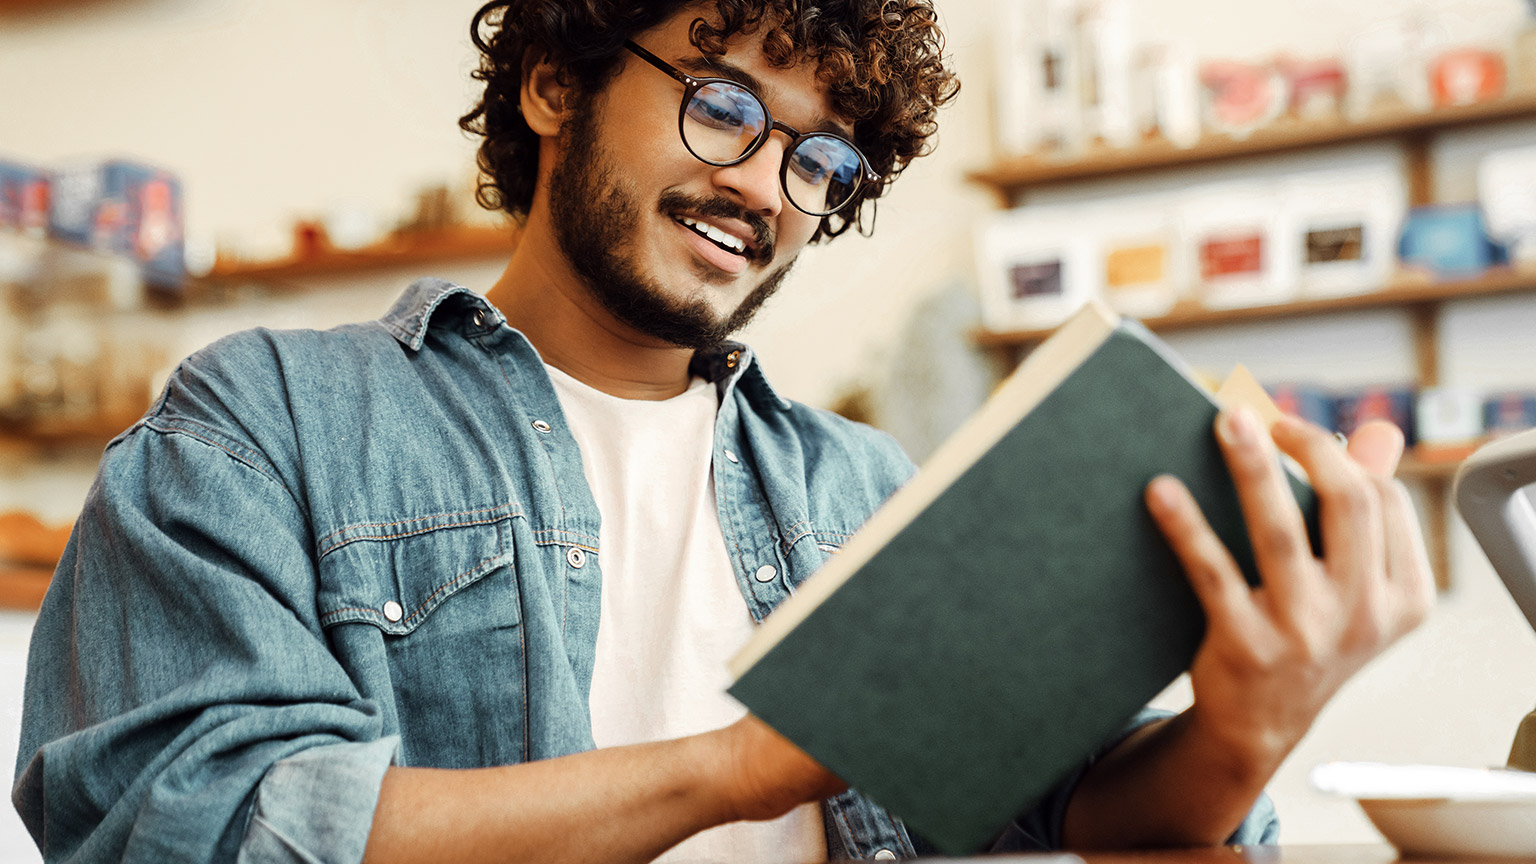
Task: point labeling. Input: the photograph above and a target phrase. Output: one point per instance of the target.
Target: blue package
(124, 208)
(1450, 240)
(1507, 413)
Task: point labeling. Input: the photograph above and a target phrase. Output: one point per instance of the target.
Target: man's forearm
(1168, 784)
(613, 805)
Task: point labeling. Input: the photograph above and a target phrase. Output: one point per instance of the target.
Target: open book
(1003, 615)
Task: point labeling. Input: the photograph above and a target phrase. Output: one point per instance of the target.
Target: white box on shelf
(1234, 235)
(1138, 264)
(1034, 266)
(1017, 46)
(1108, 49)
(1342, 228)
(1506, 186)
(1039, 77)
(1448, 416)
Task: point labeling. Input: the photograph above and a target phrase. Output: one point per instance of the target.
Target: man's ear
(544, 97)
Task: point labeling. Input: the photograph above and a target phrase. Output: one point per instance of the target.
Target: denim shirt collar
(726, 365)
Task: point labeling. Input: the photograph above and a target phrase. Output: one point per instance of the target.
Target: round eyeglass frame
(692, 85)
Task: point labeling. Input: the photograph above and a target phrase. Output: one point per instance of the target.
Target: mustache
(762, 235)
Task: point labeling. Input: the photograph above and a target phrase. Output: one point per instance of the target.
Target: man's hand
(770, 775)
(1274, 655)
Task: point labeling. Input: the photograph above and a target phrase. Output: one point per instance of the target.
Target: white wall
(284, 109)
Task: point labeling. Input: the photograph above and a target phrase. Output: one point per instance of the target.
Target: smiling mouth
(729, 243)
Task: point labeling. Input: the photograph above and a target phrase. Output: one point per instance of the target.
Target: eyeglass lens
(722, 122)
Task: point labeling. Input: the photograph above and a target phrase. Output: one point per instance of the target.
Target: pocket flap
(395, 582)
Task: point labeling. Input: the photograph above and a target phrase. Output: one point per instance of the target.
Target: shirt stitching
(513, 510)
(173, 425)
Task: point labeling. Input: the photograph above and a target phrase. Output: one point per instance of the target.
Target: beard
(595, 222)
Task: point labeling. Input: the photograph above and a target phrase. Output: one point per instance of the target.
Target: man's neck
(543, 297)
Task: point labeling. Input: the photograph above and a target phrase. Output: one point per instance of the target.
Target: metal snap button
(731, 457)
(765, 573)
(541, 426)
(478, 317)
(885, 855)
(393, 612)
(576, 558)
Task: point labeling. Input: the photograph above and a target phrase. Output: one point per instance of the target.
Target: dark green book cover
(1021, 618)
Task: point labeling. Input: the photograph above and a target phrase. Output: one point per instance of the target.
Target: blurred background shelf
(399, 250)
(1012, 175)
(1408, 291)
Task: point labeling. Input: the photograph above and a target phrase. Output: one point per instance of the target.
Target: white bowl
(1430, 810)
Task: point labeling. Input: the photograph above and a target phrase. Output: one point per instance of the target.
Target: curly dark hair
(882, 61)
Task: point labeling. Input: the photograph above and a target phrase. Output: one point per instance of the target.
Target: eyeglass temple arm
(661, 64)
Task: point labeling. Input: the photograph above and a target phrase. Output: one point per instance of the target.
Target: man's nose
(755, 180)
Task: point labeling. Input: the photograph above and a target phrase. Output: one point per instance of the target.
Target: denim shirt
(323, 553)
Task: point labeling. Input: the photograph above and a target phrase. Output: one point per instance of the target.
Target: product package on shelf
(1165, 95)
(1139, 269)
(1039, 104)
(123, 208)
(1317, 88)
(1509, 412)
(23, 198)
(1450, 241)
(1240, 98)
(1506, 187)
(1235, 234)
(1342, 228)
(1107, 47)
(1449, 422)
(1395, 404)
(1388, 69)
(1310, 402)
(1035, 265)
(1464, 76)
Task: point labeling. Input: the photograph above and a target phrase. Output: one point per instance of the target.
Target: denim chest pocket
(425, 616)
(397, 579)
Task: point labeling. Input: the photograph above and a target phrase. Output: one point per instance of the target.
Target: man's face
(624, 188)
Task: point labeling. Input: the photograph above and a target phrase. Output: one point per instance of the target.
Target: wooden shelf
(1407, 292)
(1018, 173)
(401, 250)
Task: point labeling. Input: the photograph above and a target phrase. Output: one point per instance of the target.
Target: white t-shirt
(672, 614)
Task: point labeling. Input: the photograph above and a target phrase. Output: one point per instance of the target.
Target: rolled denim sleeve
(180, 700)
(307, 807)
(1041, 828)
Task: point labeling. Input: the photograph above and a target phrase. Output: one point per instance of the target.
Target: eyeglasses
(723, 123)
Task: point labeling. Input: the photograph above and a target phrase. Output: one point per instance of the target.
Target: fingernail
(1237, 426)
(1160, 492)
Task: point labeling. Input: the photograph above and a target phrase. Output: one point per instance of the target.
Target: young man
(435, 588)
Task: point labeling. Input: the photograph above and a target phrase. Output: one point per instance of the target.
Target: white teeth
(730, 241)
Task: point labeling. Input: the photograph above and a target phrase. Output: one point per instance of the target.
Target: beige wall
(283, 109)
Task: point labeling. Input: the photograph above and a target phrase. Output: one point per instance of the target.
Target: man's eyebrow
(704, 67)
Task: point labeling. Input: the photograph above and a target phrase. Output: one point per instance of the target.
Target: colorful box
(1508, 413)
(23, 198)
(1311, 403)
(123, 208)
(1392, 404)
